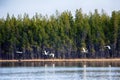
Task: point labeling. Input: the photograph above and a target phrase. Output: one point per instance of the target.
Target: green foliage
(60, 31)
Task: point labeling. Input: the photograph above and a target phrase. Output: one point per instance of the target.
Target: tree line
(62, 33)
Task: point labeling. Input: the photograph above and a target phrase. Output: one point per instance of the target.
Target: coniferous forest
(63, 34)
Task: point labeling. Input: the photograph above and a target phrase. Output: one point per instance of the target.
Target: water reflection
(49, 72)
(110, 72)
(84, 73)
(60, 71)
(63, 64)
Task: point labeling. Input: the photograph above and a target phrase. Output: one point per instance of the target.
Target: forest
(62, 33)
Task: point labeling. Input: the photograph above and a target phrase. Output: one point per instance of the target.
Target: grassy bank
(63, 60)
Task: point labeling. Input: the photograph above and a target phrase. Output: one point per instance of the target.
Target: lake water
(60, 71)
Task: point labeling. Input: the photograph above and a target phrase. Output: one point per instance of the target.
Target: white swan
(52, 54)
(19, 52)
(49, 54)
(84, 50)
(45, 52)
(108, 47)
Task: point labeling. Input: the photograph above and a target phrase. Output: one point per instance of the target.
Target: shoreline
(63, 60)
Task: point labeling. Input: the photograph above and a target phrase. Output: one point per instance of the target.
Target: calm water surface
(60, 71)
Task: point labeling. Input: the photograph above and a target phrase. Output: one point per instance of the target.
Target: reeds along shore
(62, 60)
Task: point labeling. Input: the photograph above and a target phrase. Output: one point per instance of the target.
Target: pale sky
(50, 6)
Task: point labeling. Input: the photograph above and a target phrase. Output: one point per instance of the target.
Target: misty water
(60, 71)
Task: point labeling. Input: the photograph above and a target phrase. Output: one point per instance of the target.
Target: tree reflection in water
(60, 71)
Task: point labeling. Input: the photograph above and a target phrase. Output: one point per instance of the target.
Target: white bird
(108, 47)
(84, 50)
(45, 52)
(19, 52)
(52, 54)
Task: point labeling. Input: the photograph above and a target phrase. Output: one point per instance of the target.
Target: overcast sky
(50, 6)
